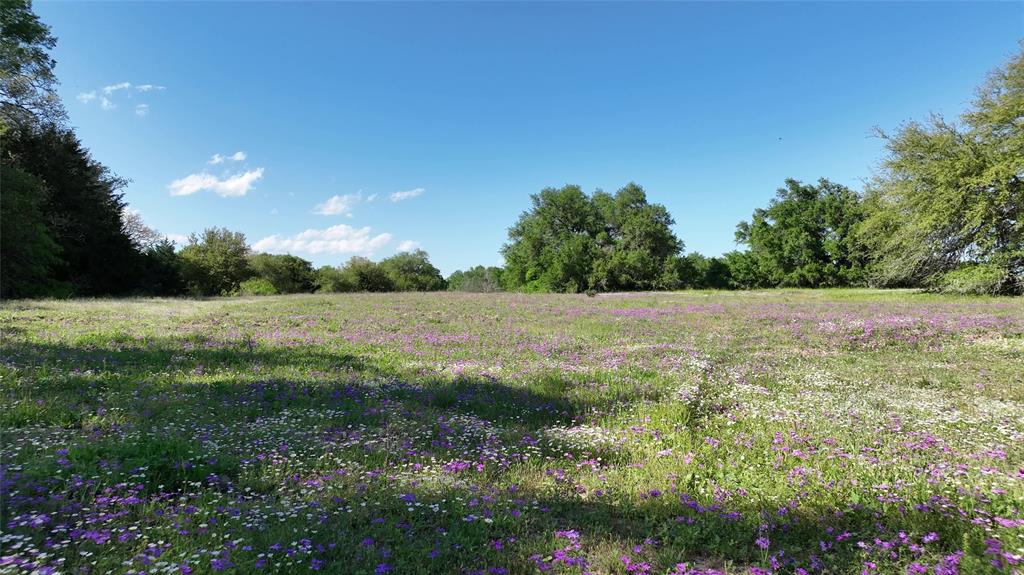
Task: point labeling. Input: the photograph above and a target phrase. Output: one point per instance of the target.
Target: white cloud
(108, 95)
(407, 246)
(219, 159)
(339, 239)
(399, 196)
(339, 205)
(108, 90)
(178, 239)
(229, 186)
(371, 198)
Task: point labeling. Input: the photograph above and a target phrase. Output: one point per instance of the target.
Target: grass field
(775, 432)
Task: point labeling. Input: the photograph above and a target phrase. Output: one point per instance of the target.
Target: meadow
(832, 431)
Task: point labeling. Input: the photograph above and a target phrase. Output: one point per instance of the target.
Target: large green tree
(805, 237)
(57, 198)
(27, 83)
(570, 242)
(216, 262)
(412, 271)
(28, 251)
(552, 246)
(82, 208)
(950, 195)
(162, 270)
(476, 279)
(363, 274)
(287, 273)
(636, 241)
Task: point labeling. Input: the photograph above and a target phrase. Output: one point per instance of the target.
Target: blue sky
(430, 124)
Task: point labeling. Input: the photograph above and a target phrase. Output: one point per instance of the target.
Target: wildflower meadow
(776, 432)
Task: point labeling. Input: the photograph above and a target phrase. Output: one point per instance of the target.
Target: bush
(287, 273)
(411, 271)
(977, 279)
(257, 286)
(743, 270)
(363, 274)
(330, 279)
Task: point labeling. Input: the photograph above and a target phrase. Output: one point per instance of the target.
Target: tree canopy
(216, 262)
(805, 237)
(477, 279)
(285, 273)
(27, 83)
(412, 271)
(28, 250)
(82, 208)
(404, 271)
(950, 195)
(571, 242)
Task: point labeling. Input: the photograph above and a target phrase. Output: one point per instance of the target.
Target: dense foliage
(28, 250)
(412, 271)
(82, 210)
(476, 279)
(696, 271)
(219, 262)
(404, 271)
(216, 262)
(61, 224)
(285, 273)
(571, 242)
(27, 81)
(950, 198)
(804, 238)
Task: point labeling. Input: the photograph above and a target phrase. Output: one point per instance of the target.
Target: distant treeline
(945, 212)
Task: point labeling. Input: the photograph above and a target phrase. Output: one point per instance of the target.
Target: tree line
(944, 212)
(219, 262)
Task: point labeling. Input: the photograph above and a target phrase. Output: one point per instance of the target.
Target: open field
(776, 432)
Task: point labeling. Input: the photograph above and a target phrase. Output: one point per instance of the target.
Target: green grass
(831, 431)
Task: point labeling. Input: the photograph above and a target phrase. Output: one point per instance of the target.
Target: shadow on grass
(152, 381)
(241, 378)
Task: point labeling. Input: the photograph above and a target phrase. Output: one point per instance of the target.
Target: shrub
(412, 271)
(366, 275)
(257, 286)
(972, 279)
(287, 273)
(330, 279)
